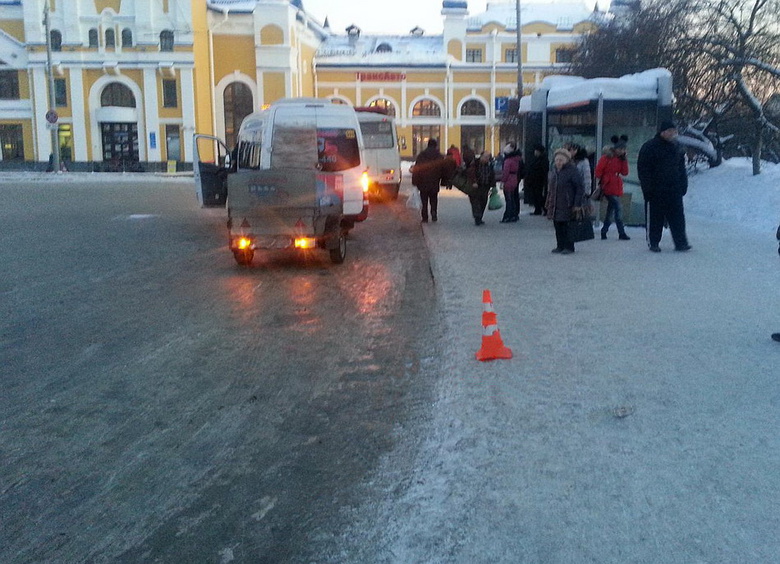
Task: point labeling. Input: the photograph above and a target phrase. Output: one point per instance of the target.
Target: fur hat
(620, 142)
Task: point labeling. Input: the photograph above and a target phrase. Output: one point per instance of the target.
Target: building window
(473, 108)
(55, 40)
(170, 98)
(473, 55)
(11, 142)
(60, 93)
(93, 37)
(386, 105)
(117, 95)
(110, 38)
(426, 108)
(9, 85)
(510, 55)
(166, 40)
(127, 37)
(238, 105)
(564, 55)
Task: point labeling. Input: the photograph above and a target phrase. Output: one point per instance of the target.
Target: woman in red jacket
(609, 170)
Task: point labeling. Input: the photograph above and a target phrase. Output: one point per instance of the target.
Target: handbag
(461, 181)
(580, 229)
(597, 194)
(413, 201)
(495, 202)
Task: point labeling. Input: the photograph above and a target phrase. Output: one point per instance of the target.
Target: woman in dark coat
(565, 192)
(535, 180)
(482, 176)
(426, 175)
(511, 174)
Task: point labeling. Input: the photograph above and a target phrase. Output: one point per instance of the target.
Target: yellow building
(132, 81)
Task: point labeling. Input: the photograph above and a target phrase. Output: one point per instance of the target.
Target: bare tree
(724, 56)
(739, 41)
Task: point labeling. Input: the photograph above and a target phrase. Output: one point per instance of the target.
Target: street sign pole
(55, 142)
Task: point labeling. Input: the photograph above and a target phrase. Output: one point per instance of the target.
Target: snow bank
(730, 193)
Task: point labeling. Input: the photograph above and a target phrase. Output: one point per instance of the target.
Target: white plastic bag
(413, 201)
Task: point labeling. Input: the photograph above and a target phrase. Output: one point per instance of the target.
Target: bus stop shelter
(589, 112)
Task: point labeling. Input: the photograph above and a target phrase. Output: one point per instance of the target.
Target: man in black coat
(426, 175)
(664, 180)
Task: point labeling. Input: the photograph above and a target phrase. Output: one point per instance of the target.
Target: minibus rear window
(337, 149)
(377, 134)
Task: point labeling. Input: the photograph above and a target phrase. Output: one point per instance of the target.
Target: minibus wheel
(339, 253)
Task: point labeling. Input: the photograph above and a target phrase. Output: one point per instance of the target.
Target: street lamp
(519, 54)
(55, 144)
(520, 72)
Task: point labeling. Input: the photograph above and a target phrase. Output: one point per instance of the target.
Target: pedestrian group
(565, 191)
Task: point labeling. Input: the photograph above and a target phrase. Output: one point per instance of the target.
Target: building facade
(132, 81)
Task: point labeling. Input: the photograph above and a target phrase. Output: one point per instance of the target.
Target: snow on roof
(385, 50)
(564, 15)
(568, 90)
(247, 6)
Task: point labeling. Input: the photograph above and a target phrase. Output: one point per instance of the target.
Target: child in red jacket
(609, 172)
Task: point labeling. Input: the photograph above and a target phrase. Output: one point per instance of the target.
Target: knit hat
(564, 153)
(666, 124)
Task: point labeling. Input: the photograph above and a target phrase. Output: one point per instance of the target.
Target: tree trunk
(757, 146)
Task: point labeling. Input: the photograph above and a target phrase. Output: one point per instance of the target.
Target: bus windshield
(377, 134)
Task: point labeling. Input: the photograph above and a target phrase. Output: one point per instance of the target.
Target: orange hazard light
(305, 243)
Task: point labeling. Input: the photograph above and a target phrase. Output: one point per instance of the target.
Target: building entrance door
(474, 137)
(120, 144)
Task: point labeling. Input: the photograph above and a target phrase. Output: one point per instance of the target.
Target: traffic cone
(492, 346)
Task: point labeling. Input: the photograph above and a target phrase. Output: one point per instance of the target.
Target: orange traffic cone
(492, 346)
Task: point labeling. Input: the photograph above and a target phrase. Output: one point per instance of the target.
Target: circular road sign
(51, 116)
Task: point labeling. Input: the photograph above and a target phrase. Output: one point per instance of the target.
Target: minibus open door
(210, 169)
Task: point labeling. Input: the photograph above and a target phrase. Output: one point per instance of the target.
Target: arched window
(127, 37)
(426, 108)
(386, 105)
(118, 95)
(473, 108)
(93, 37)
(55, 40)
(238, 105)
(166, 40)
(110, 37)
(384, 48)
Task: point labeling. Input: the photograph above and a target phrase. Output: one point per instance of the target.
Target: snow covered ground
(731, 193)
(637, 421)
